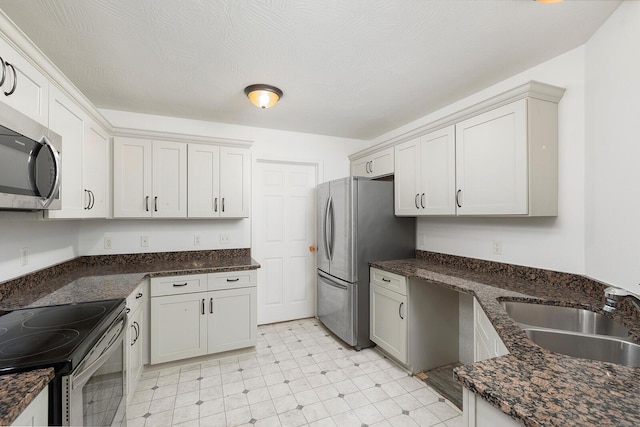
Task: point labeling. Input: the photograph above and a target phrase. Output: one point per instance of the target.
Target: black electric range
(57, 336)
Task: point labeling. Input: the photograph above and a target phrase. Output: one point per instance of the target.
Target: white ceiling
(349, 68)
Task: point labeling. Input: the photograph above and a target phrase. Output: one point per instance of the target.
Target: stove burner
(36, 343)
(65, 315)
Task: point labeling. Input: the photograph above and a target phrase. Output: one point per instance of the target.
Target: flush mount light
(263, 96)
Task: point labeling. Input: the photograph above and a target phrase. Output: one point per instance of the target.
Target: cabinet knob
(312, 248)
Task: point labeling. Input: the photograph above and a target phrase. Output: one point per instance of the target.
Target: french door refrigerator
(356, 225)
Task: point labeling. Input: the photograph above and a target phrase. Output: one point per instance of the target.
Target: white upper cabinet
(219, 182)
(23, 86)
(425, 175)
(149, 178)
(507, 161)
(375, 165)
(235, 182)
(85, 157)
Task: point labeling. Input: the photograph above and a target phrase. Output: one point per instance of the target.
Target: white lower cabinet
(414, 322)
(487, 344)
(137, 335)
(37, 412)
(480, 413)
(202, 314)
(486, 341)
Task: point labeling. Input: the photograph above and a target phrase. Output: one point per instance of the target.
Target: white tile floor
(299, 375)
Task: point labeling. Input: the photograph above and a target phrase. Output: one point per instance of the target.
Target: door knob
(312, 248)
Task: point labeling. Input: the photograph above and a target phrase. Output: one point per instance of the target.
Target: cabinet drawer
(174, 285)
(137, 296)
(393, 282)
(232, 280)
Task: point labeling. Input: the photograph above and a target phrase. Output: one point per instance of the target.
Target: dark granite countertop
(92, 279)
(17, 391)
(95, 278)
(531, 384)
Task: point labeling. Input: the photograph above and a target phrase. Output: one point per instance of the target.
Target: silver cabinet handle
(128, 310)
(203, 306)
(233, 280)
(139, 295)
(215, 204)
(176, 285)
(15, 80)
(416, 200)
(422, 200)
(93, 199)
(458, 198)
(136, 328)
(366, 167)
(155, 204)
(86, 192)
(223, 204)
(211, 306)
(400, 310)
(384, 279)
(146, 203)
(371, 167)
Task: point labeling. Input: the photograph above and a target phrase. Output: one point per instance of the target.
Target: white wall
(613, 150)
(47, 242)
(552, 243)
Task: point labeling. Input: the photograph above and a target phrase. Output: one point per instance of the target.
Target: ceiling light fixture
(263, 96)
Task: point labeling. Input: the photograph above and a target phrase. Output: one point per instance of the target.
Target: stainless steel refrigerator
(356, 225)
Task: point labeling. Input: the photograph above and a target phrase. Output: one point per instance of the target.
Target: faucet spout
(615, 295)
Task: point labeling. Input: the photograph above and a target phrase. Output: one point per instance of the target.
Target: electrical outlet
(144, 241)
(24, 256)
(225, 238)
(108, 244)
(497, 247)
(196, 240)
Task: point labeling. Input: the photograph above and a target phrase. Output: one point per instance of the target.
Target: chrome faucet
(615, 295)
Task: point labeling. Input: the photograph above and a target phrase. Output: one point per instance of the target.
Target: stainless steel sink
(564, 318)
(593, 347)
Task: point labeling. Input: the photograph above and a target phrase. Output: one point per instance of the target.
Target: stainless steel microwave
(30, 163)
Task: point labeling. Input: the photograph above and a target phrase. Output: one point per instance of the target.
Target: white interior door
(284, 230)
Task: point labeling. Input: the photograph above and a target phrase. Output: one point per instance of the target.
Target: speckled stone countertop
(18, 390)
(533, 385)
(103, 277)
(96, 278)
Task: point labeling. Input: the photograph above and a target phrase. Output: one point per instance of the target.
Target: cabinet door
(135, 342)
(169, 179)
(235, 183)
(36, 413)
(31, 95)
(407, 178)
(95, 155)
(382, 163)
(360, 167)
(203, 182)
(67, 120)
(178, 327)
(132, 178)
(491, 162)
(437, 172)
(389, 322)
(487, 342)
(232, 319)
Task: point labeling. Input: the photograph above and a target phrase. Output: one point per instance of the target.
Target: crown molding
(178, 137)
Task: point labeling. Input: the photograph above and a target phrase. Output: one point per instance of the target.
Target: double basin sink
(575, 332)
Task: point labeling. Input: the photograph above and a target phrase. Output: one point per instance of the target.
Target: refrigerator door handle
(326, 229)
(332, 240)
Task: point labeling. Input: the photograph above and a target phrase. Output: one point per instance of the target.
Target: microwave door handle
(56, 181)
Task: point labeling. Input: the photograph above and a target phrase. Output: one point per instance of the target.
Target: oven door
(93, 394)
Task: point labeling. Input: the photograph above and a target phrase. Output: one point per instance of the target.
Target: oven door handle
(112, 337)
